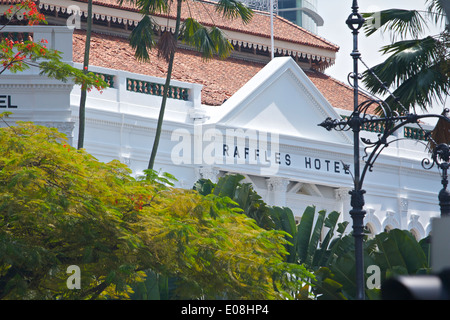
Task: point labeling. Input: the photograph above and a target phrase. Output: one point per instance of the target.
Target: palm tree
(208, 41)
(82, 112)
(417, 70)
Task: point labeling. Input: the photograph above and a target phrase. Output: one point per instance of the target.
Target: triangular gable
(281, 99)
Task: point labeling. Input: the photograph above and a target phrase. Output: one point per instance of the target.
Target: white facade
(268, 131)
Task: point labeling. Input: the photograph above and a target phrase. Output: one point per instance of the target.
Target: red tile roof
(13, 1)
(220, 78)
(204, 11)
(338, 94)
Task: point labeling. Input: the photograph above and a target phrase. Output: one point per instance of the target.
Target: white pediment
(280, 99)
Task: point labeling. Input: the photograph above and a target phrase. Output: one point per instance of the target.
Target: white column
(276, 191)
(343, 197)
(403, 209)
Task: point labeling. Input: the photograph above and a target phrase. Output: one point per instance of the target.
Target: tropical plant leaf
(147, 6)
(232, 9)
(204, 186)
(425, 244)
(196, 35)
(399, 248)
(409, 55)
(166, 45)
(226, 186)
(141, 39)
(331, 223)
(399, 22)
(417, 70)
(436, 10)
(315, 238)
(222, 46)
(326, 287)
(283, 219)
(207, 41)
(188, 30)
(304, 232)
(422, 89)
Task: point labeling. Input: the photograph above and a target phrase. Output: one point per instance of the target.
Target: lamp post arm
(382, 141)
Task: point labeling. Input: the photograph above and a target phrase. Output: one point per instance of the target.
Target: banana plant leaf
(304, 233)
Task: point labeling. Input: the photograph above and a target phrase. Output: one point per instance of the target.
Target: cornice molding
(35, 86)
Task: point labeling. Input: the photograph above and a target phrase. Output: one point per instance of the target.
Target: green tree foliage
(59, 206)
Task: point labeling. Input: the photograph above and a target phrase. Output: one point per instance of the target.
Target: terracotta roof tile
(13, 1)
(204, 11)
(220, 78)
(338, 94)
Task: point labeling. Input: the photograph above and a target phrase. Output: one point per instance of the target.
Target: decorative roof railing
(156, 89)
(413, 133)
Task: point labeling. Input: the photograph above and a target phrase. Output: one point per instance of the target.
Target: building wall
(268, 131)
(302, 165)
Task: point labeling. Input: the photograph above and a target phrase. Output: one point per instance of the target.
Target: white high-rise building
(301, 12)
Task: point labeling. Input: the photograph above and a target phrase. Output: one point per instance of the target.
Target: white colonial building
(267, 129)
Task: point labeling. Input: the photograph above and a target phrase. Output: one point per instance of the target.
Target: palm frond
(399, 22)
(166, 45)
(233, 9)
(416, 69)
(222, 46)
(188, 30)
(204, 43)
(407, 58)
(148, 6)
(207, 41)
(141, 39)
(436, 10)
(423, 89)
(196, 35)
(152, 6)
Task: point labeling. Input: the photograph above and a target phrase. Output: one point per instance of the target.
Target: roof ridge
(307, 31)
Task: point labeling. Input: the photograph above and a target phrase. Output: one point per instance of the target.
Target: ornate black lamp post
(391, 122)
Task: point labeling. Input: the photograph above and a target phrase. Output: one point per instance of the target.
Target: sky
(335, 12)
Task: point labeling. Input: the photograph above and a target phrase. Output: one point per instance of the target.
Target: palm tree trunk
(82, 112)
(165, 91)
